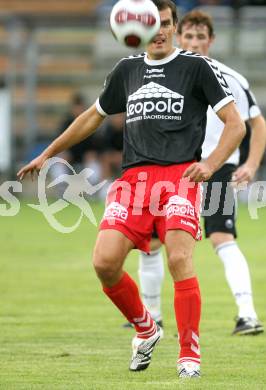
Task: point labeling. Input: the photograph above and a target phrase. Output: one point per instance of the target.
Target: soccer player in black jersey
(165, 94)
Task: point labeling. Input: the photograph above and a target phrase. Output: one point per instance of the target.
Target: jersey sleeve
(245, 100)
(112, 99)
(240, 96)
(213, 85)
(254, 109)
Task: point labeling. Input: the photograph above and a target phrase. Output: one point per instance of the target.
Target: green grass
(59, 331)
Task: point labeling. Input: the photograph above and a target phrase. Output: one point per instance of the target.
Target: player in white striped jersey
(196, 35)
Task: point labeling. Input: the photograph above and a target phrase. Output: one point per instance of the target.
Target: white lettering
(116, 211)
(162, 106)
(148, 107)
(138, 108)
(179, 106)
(187, 223)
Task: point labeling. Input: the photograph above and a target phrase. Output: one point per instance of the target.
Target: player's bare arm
(246, 172)
(233, 133)
(82, 127)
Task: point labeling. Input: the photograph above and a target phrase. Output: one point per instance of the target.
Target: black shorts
(220, 202)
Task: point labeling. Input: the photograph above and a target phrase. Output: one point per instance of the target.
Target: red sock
(187, 311)
(125, 295)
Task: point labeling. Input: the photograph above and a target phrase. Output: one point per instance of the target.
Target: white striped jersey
(246, 104)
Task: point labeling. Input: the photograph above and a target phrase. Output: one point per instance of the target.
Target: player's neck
(160, 56)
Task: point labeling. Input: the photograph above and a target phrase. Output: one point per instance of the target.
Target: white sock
(238, 277)
(151, 274)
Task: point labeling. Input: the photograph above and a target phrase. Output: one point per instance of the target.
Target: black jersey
(165, 103)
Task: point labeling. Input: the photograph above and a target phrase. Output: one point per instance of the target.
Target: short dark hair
(163, 4)
(197, 17)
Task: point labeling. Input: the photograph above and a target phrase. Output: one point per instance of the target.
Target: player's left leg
(239, 280)
(187, 300)
(179, 229)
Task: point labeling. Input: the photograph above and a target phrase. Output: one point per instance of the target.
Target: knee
(178, 259)
(105, 268)
(219, 238)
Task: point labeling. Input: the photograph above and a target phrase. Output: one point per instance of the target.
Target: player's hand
(198, 172)
(245, 173)
(33, 167)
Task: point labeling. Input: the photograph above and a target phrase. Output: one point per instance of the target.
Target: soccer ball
(134, 22)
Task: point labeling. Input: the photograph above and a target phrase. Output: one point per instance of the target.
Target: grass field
(58, 330)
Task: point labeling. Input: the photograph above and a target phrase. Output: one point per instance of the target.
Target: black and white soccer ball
(134, 23)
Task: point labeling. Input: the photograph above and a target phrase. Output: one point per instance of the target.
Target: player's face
(195, 38)
(162, 44)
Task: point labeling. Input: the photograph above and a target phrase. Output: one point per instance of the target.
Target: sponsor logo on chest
(154, 101)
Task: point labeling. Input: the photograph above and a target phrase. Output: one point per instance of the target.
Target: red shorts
(153, 197)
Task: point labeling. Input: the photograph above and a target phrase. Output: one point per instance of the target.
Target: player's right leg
(151, 276)
(110, 252)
